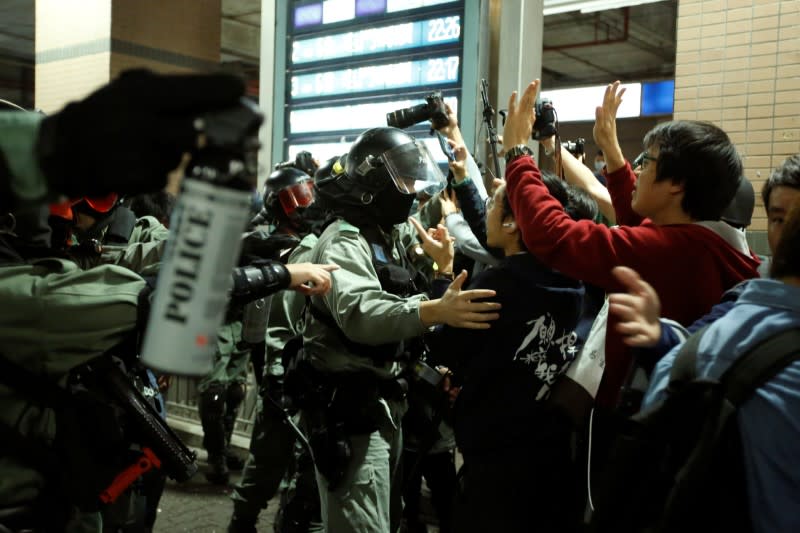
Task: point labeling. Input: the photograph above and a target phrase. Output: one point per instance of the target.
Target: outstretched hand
(520, 118)
(638, 310)
(460, 311)
(605, 127)
(310, 279)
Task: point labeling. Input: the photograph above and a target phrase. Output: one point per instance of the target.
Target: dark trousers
(439, 471)
(518, 491)
(271, 452)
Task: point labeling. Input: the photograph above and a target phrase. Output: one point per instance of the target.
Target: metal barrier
(181, 403)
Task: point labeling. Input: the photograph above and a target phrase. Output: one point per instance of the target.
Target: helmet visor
(298, 195)
(102, 204)
(412, 167)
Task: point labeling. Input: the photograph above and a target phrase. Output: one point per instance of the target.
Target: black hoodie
(506, 370)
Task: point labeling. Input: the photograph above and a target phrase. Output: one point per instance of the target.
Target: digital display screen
(376, 40)
(365, 8)
(422, 73)
(311, 14)
(357, 117)
(348, 63)
(658, 98)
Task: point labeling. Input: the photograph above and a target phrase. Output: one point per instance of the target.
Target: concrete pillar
(738, 66)
(267, 96)
(519, 48)
(82, 44)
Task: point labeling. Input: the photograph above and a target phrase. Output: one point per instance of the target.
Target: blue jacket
(770, 421)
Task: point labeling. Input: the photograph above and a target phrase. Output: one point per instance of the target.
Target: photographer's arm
(577, 174)
(470, 168)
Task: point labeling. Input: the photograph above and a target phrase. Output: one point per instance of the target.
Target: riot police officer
(57, 317)
(354, 336)
(289, 207)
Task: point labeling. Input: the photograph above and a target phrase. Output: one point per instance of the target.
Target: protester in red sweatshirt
(669, 219)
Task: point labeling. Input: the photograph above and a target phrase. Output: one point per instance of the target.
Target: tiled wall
(80, 45)
(738, 66)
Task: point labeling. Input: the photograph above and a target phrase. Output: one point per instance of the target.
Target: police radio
(207, 222)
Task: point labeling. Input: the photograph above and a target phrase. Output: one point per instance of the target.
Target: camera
(545, 124)
(433, 109)
(575, 147)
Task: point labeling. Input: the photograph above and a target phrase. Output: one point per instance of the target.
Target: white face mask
(598, 165)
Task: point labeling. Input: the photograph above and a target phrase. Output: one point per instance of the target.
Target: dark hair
(786, 261)
(158, 204)
(577, 203)
(581, 204)
(701, 157)
(786, 175)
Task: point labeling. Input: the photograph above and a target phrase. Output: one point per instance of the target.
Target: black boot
(241, 524)
(212, 409)
(218, 472)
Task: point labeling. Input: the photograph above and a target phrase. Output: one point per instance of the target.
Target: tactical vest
(399, 279)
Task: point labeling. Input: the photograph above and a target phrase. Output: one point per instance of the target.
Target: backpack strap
(684, 368)
(760, 364)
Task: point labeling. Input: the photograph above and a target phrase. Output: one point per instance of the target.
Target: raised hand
(451, 130)
(605, 127)
(458, 166)
(437, 243)
(638, 310)
(520, 118)
(448, 202)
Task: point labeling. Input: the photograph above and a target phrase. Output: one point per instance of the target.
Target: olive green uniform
(369, 498)
(44, 305)
(144, 250)
(272, 441)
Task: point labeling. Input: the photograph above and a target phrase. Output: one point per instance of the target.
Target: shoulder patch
(379, 254)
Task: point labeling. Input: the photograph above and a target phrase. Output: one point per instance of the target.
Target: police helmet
(382, 159)
(287, 192)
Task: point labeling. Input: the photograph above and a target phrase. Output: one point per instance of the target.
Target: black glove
(258, 280)
(126, 136)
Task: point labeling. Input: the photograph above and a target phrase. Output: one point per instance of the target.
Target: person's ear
(677, 187)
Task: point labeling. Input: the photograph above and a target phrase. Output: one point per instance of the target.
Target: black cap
(740, 211)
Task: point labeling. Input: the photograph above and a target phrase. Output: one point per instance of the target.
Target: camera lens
(403, 118)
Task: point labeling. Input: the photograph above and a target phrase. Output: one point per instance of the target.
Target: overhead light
(554, 7)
